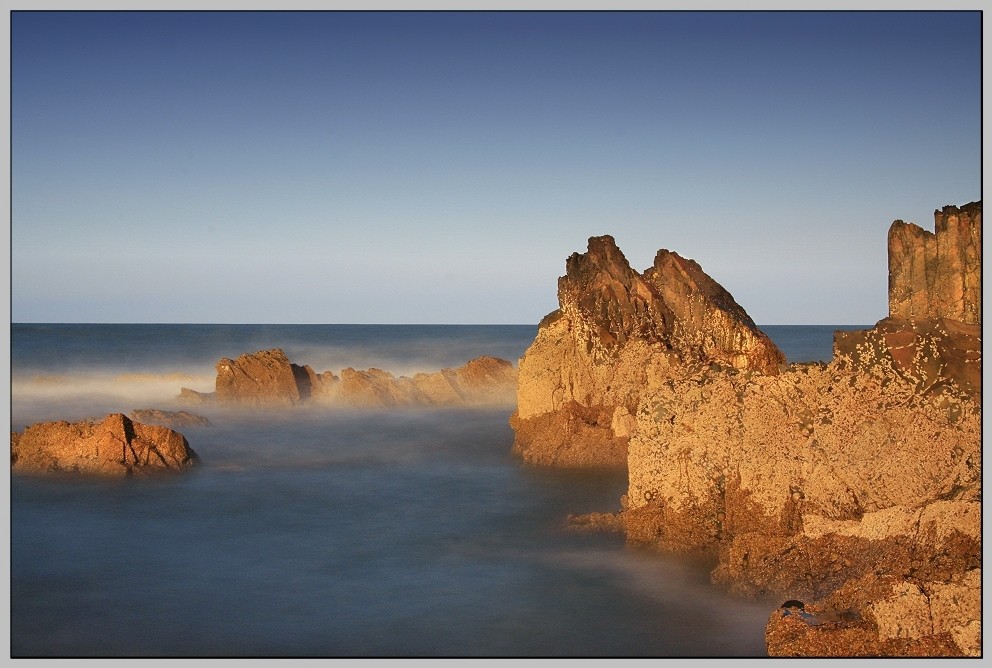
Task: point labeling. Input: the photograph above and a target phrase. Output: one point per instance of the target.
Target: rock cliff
(937, 274)
(615, 332)
(268, 378)
(114, 446)
(852, 488)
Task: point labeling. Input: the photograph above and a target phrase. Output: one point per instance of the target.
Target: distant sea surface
(331, 532)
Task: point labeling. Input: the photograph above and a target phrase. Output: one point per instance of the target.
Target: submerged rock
(168, 418)
(113, 446)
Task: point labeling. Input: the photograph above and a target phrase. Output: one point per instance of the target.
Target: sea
(329, 532)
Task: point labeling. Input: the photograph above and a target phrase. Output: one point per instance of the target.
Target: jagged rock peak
(612, 300)
(674, 303)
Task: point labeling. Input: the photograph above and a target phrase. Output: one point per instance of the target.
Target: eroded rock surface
(936, 355)
(615, 333)
(113, 446)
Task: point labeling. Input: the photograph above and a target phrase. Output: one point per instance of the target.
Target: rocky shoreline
(851, 489)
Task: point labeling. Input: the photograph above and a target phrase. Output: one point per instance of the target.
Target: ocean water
(313, 532)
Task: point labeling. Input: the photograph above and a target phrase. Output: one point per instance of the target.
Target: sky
(439, 167)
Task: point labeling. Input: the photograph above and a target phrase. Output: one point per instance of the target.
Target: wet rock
(168, 418)
(115, 446)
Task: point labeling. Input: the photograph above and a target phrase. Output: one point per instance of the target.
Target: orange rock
(115, 446)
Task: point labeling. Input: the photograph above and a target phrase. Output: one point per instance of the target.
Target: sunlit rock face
(801, 482)
(937, 274)
(885, 616)
(265, 377)
(115, 446)
(865, 470)
(616, 333)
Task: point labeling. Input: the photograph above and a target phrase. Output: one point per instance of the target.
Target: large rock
(615, 333)
(265, 377)
(115, 446)
(716, 455)
(937, 274)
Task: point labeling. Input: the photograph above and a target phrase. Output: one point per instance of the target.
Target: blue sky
(438, 167)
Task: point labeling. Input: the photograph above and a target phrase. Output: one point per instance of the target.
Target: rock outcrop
(268, 378)
(615, 332)
(115, 446)
(937, 274)
(852, 488)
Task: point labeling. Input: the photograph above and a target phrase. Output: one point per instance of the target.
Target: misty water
(328, 532)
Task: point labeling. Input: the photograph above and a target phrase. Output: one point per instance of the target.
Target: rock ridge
(268, 378)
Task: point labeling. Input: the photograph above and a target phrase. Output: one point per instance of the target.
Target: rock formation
(581, 381)
(114, 446)
(268, 378)
(851, 488)
(937, 274)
